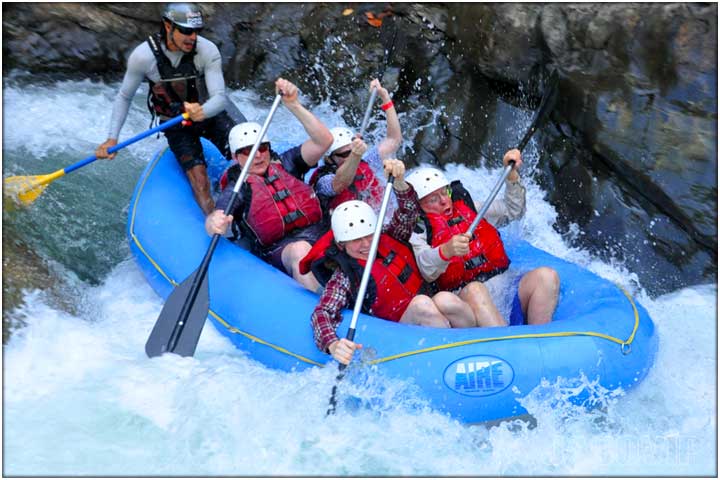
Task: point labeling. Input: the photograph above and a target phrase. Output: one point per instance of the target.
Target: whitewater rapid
(80, 398)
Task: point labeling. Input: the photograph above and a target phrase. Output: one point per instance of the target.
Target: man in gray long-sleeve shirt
(184, 71)
(461, 263)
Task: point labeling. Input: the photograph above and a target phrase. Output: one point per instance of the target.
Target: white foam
(82, 399)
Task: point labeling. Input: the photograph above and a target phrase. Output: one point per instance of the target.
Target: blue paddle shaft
(119, 146)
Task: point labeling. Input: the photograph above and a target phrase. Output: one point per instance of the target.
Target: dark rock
(634, 137)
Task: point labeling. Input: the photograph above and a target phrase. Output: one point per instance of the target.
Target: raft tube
(475, 375)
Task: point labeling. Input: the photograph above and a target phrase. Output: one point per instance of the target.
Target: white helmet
(426, 180)
(243, 135)
(341, 136)
(352, 220)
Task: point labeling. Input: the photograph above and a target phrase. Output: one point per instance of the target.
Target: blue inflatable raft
(475, 375)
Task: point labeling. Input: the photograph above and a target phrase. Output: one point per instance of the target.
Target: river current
(80, 398)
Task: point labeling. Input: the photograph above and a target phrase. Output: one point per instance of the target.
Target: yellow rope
(529, 335)
(235, 330)
(263, 342)
(230, 328)
(132, 222)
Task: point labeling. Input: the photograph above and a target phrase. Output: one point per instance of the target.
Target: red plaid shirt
(337, 295)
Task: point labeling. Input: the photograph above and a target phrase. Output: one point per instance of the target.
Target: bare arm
(393, 138)
(320, 137)
(345, 173)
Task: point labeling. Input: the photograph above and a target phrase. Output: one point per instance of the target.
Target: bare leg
(452, 307)
(291, 256)
(423, 311)
(477, 296)
(200, 184)
(538, 292)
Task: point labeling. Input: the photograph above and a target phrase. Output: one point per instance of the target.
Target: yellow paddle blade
(25, 189)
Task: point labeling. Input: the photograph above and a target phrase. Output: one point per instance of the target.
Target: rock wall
(630, 156)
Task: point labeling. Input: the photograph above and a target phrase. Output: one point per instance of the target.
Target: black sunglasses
(262, 148)
(187, 30)
(343, 154)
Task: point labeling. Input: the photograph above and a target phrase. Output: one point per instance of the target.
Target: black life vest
(177, 84)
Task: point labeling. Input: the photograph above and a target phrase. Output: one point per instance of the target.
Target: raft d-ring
(625, 348)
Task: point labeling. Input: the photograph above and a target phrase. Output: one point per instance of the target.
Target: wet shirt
(142, 64)
(337, 294)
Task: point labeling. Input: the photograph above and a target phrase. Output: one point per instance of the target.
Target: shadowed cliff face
(630, 157)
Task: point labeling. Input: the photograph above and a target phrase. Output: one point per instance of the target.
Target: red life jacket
(365, 186)
(279, 203)
(394, 278)
(177, 84)
(225, 176)
(487, 256)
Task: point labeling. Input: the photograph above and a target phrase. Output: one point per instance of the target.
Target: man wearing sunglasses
(346, 175)
(473, 266)
(184, 73)
(276, 210)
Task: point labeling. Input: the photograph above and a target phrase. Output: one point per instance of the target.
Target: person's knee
(475, 290)
(423, 305)
(445, 299)
(294, 252)
(549, 278)
(423, 311)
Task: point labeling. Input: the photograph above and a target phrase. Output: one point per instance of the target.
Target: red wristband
(440, 252)
(387, 106)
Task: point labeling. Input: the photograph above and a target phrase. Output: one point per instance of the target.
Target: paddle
(373, 94)
(363, 287)
(376, 235)
(177, 329)
(546, 105)
(26, 189)
(366, 118)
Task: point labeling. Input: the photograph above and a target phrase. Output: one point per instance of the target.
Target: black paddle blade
(170, 333)
(546, 105)
(333, 394)
(550, 96)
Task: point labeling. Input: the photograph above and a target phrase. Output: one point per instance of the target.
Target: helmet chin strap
(171, 39)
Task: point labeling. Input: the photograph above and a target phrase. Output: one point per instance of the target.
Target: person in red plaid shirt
(396, 290)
